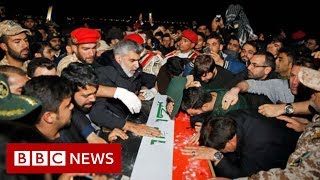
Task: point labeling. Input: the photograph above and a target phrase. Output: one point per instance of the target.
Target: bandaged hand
(149, 93)
(128, 98)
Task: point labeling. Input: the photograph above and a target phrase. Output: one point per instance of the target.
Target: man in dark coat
(84, 84)
(124, 72)
(243, 143)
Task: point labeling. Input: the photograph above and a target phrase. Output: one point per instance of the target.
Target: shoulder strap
(146, 59)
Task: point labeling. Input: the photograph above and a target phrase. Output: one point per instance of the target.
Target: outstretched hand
(230, 98)
(115, 133)
(149, 93)
(296, 123)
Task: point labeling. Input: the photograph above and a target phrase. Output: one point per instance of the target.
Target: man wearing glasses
(260, 66)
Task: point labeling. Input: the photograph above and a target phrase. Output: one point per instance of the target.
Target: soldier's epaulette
(193, 54)
(152, 53)
(143, 56)
(171, 53)
(197, 52)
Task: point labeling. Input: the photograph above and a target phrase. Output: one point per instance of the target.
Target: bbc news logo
(40, 158)
(63, 158)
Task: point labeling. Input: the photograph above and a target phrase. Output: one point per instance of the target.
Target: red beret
(298, 35)
(135, 37)
(191, 35)
(85, 35)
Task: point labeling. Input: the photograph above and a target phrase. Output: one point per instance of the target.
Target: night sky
(267, 14)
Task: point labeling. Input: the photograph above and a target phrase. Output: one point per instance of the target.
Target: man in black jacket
(84, 84)
(124, 72)
(243, 143)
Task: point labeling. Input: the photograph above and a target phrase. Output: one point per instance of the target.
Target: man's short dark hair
(305, 61)
(51, 90)
(39, 62)
(203, 64)
(217, 131)
(7, 70)
(38, 47)
(195, 98)
(291, 54)
(4, 39)
(269, 61)
(175, 65)
(217, 37)
(254, 44)
(80, 75)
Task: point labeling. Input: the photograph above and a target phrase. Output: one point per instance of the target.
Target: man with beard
(299, 91)
(55, 113)
(54, 42)
(84, 45)
(259, 67)
(55, 95)
(84, 84)
(126, 72)
(248, 50)
(303, 163)
(14, 41)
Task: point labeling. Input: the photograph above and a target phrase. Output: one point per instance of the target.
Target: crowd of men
(254, 102)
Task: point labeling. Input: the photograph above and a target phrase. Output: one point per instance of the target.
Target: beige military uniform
(304, 162)
(310, 78)
(64, 62)
(5, 61)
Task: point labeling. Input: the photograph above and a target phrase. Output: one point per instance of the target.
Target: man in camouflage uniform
(304, 162)
(14, 41)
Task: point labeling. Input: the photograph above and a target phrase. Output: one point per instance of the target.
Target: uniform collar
(5, 61)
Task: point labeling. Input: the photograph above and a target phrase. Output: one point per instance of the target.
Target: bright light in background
(49, 13)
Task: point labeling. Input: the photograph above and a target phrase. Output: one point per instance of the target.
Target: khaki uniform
(4, 61)
(151, 62)
(304, 162)
(65, 62)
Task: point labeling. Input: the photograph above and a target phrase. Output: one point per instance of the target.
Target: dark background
(266, 15)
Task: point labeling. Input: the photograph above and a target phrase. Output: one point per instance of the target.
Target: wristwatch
(217, 156)
(289, 109)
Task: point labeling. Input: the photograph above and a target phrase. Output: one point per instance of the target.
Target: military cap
(135, 37)
(310, 78)
(14, 106)
(191, 35)
(52, 35)
(11, 28)
(85, 35)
